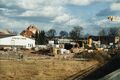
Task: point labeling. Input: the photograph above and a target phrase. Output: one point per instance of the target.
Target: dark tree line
(63, 34)
(40, 38)
(76, 33)
(112, 31)
(51, 33)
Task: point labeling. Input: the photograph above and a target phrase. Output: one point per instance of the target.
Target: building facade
(17, 41)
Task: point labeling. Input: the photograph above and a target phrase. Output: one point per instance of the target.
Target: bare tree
(113, 31)
(51, 33)
(75, 33)
(63, 33)
(102, 32)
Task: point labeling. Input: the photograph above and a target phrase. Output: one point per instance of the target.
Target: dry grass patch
(48, 69)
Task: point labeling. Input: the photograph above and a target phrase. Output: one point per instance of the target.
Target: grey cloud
(8, 8)
(107, 12)
(9, 12)
(8, 4)
(117, 1)
(32, 19)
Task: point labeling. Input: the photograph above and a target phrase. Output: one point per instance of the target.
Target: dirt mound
(109, 67)
(100, 56)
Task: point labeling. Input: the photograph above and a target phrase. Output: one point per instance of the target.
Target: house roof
(4, 31)
(6, 35)
(14, 36)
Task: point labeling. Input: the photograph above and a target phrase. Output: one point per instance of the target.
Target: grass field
(45, 69)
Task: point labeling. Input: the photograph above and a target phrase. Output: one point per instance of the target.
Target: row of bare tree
(74, 34)
(112, 31)
(42, 37)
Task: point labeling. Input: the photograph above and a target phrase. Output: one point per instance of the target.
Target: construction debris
(30, 31)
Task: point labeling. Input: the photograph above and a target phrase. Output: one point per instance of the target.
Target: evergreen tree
(36, 37)
(40, 38)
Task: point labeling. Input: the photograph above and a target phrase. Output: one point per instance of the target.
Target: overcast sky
(58, 14)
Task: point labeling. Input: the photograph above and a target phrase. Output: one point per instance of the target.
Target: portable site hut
(17, 41)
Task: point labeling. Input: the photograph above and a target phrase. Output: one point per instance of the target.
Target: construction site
(66, 60)
(59, 39)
